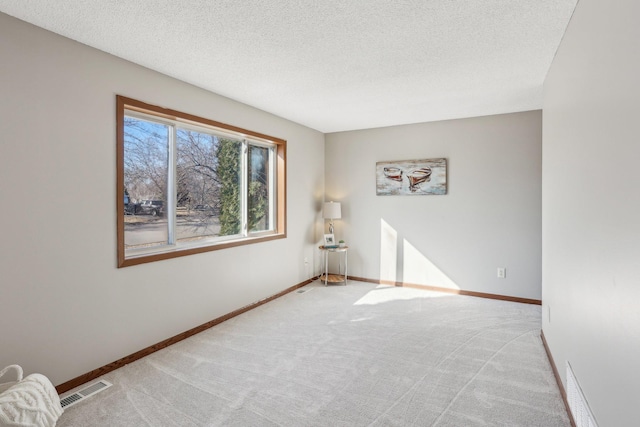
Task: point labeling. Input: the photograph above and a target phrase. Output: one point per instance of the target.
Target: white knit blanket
(31, 402)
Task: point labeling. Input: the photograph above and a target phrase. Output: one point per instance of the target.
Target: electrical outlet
(502, 273)
(306, 260)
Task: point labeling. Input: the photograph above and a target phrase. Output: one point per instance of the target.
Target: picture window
(188, 185)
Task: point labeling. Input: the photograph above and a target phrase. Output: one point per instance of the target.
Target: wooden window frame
(124, 103)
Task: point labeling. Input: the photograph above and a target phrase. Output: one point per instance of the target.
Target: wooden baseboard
(558, 379)
(449, 290)
(96, 373)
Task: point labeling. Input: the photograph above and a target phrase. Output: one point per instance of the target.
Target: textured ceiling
(331, 65)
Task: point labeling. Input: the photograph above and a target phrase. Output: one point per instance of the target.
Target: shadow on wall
(415, 267)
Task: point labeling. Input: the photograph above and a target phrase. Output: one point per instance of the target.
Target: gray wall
(591, 207)
(66, 309)
(490, 218)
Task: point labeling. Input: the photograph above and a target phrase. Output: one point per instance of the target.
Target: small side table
(334, 278)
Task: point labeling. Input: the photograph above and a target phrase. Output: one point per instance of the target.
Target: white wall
(65, 307)
(490, 218)
(591, 207)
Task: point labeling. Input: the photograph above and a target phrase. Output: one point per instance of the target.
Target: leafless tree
(145, 159)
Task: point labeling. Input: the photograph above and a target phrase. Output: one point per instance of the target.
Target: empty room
(319, 213)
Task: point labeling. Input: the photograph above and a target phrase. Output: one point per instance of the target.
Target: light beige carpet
(356, 355)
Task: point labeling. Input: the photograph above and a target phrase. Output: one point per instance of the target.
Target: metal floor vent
(79, 395)
(577, 402)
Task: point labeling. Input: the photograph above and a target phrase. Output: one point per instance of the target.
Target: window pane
(229, 169)
(259, 187)
(146, 154)
(198, 185)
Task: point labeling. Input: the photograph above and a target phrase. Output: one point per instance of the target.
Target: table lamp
(331, 211)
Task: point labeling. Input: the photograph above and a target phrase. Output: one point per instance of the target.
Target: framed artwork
(411, 177)
(329, 240)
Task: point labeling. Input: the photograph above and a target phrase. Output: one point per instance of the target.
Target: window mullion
(273, 202)
(244, 189)
(171, 187)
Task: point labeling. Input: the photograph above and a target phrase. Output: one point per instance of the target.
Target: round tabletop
(333, 249)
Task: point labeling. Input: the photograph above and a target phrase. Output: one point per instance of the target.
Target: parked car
(151, 207)
(130, 208)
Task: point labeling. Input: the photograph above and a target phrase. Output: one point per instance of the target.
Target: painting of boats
(411, 177)
(393, 173)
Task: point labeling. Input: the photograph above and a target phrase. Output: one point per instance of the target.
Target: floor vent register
(80, 395)
(577, 402)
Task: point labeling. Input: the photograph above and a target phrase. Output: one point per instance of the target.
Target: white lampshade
(332, 210)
